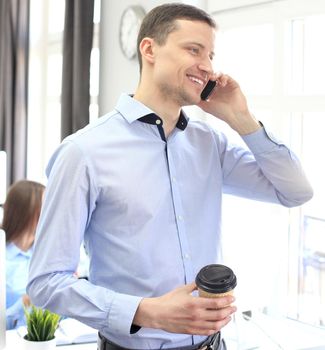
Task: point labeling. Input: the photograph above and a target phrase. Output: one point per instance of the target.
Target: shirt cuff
(261, 141)
(121, 315)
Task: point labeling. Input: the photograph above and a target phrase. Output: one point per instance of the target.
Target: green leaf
(41, 324)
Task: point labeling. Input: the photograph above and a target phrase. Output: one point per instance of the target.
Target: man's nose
(206, 67)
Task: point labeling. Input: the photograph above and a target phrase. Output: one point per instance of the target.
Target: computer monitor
(2, 290)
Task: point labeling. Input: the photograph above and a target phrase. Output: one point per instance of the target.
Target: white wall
(117, 74)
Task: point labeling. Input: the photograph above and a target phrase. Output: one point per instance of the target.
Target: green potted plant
(41, 327)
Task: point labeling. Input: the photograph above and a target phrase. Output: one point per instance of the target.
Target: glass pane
(312, 281)
(56, 16)
(35, 78)
(36, 21)
(306, 55)
(248, 240)
(313, 142)
(52, 128)
(54, 74)
(246, 54)
(97, 11)
(314, 54)
(295, 57)
(310, 246)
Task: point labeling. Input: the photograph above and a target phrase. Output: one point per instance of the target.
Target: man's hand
(180, 312)
(26, 300)
(228, 103)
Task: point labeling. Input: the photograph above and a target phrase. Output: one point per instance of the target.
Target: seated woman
(21, 212)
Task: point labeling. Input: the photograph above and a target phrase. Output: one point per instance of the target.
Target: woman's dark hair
(160, 22)
(22, 208)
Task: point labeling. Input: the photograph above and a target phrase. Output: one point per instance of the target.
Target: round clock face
(129, 27)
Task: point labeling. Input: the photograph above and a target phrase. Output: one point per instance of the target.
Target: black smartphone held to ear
(208, 89)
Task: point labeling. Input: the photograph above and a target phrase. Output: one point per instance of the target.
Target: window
(44, 125)
(275, 51)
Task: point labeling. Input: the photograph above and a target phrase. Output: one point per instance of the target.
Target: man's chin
(190, 100)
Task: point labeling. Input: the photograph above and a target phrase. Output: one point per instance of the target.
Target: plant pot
(39, 345)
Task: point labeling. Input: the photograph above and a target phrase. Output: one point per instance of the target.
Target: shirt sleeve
(267, 171)
(15, 314)
(69, 201)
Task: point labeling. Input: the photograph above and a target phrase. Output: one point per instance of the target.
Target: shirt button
(187, 256)
(158, 121)
(180, 217)
(173, 179)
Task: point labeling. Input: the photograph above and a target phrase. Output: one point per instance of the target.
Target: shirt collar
(132, 110)
(12, 251)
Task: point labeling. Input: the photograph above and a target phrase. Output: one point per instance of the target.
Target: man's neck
(164, 108)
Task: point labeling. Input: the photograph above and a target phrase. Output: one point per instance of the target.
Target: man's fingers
(206, 327)
(216, 303)
(188, 288)
(216, 76)
(220, 314)
(180, 312)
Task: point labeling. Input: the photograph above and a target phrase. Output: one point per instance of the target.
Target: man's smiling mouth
(196, 80)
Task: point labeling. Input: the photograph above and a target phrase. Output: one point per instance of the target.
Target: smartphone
(208, 89)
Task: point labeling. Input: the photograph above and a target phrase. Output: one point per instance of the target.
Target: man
(143, 185)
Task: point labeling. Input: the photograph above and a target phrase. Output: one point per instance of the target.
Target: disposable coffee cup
(215, 280)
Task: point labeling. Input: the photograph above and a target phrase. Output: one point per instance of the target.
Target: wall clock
(129, 27)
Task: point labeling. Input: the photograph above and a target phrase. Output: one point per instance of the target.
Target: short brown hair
(160, 22)
(21, 208)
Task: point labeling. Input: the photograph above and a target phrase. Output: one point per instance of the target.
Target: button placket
(179, 216)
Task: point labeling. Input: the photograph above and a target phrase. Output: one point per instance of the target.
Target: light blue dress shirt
(149, 211)
(17, 266)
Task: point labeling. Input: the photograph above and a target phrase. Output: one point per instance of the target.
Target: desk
(13, 340)
(243, 335)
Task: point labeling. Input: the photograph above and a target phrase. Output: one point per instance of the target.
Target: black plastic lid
(216, 278)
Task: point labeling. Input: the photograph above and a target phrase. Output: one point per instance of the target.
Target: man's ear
(147, 49)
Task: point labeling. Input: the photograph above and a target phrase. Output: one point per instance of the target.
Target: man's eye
(194, 50)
